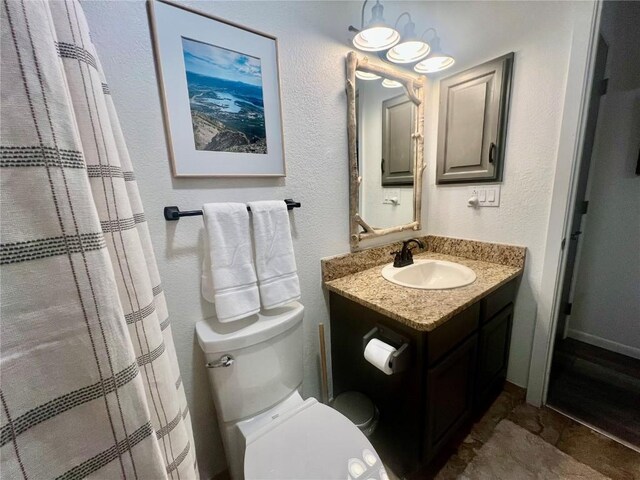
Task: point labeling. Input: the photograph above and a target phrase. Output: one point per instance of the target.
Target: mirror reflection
(386, 121)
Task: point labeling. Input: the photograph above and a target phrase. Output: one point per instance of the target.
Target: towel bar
(173, 213)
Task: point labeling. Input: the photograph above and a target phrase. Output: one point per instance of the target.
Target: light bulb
(390, 83)
(408, 52)
(374, 39)
(434, 63)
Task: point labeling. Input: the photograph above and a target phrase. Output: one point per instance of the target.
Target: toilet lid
(315, 442)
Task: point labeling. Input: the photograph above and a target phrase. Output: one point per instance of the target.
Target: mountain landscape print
(225, 98)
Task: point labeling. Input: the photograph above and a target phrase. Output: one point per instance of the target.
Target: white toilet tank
(266, 350)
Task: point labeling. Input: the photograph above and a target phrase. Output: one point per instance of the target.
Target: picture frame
(220, 90)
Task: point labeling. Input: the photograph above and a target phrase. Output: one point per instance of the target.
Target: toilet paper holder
(400, 358)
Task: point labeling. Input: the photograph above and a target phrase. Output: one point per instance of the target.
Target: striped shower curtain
(90, 385)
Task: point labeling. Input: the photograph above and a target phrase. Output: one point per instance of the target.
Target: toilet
(268, 430)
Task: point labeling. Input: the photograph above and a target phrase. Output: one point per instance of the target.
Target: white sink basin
(430, 275)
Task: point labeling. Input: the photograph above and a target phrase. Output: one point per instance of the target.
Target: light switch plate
(486, 195)
(391, 196)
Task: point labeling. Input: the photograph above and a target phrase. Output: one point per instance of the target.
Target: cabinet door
(472, 122)
(398, 127)
(450, 395)
(493, 355)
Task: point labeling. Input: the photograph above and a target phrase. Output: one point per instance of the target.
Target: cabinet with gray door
(398, 127)
(472, 123)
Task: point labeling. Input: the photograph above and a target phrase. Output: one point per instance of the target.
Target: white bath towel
(229, 276)
(275, 261)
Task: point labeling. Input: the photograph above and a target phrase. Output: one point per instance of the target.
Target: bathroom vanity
(458, 343)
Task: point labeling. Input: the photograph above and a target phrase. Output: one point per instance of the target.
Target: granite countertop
(424, 310)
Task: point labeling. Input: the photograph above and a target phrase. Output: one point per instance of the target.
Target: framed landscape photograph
(221, 94)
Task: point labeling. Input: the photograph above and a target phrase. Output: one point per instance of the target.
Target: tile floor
(509, 452)
(604, 455)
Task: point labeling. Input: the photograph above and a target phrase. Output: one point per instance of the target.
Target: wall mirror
(386, 148)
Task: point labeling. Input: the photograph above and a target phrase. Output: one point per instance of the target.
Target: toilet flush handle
(224, 361)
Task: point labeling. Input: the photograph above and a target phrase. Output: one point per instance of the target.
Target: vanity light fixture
(377, 35)
(390, 83)
(436, 61)
(366, 75)
(412, 48)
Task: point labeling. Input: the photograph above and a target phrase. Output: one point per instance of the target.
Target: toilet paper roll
(378, 354)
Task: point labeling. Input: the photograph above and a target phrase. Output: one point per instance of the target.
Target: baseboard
(604, 343)
(593, 427)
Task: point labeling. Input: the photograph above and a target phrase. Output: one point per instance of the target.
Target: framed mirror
(385, 121)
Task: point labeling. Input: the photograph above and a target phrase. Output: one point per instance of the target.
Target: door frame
(570, 147)
(572, 241)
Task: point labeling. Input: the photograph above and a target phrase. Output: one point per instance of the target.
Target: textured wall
(540, 34)
(607, 282)
(312, 44)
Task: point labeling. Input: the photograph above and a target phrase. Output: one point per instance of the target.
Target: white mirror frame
(414, 86)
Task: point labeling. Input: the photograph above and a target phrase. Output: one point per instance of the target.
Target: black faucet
(404, 257)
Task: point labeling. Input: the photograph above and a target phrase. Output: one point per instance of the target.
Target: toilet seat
(311, 442)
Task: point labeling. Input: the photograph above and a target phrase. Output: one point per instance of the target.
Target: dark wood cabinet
(454, 370)
(493, 355)
(449, 395)
(398, 435)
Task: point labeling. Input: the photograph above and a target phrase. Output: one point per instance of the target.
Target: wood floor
(599, 387)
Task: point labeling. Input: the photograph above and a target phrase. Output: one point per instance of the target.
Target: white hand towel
(229, 277)
(275, 261)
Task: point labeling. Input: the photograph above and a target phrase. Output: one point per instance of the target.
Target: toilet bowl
(268, 430)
